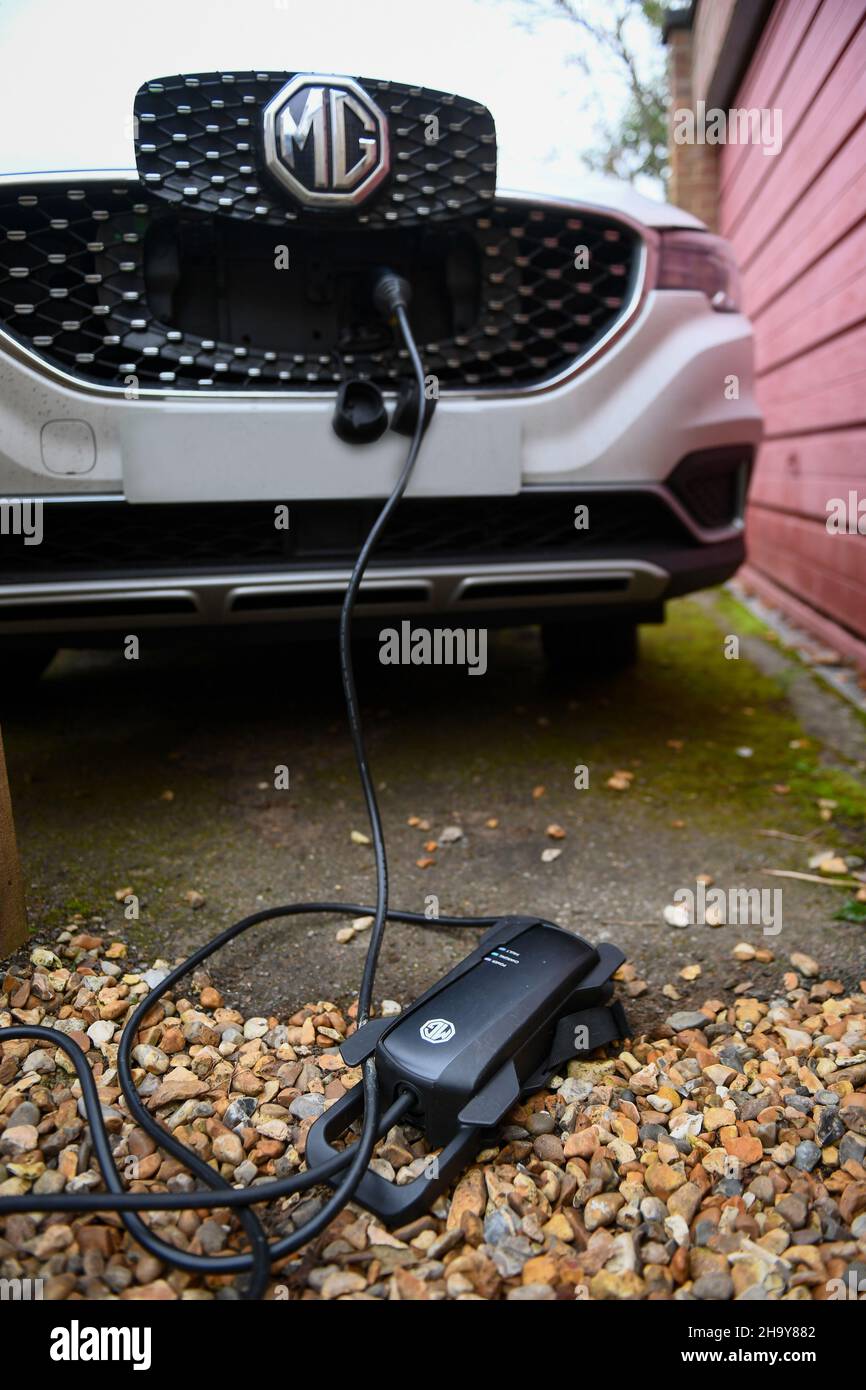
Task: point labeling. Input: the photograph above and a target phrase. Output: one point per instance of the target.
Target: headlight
(700, 261)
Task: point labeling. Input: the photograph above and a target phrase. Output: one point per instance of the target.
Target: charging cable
(391, 296)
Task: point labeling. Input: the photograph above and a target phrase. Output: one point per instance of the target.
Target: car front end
(173, 339)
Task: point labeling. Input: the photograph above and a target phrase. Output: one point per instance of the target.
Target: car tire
(591, 648)
(22, 669)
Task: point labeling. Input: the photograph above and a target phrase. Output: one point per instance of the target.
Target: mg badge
(437, 1030)
(326, 141)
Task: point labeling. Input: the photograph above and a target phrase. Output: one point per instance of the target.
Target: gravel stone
(713, 1287)
(807, 1155)
(239, 1112)
(25, 1114)
(307, 1107)
(18, 1139)
(679, 1022)
(668, 1171)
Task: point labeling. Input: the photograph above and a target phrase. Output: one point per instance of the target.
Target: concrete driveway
(158, 775)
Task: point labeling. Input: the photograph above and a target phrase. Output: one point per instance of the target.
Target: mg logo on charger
(437, 1030)
(326, 141)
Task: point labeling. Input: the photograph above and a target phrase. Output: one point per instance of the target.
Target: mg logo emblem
(437, 1030)
(326, 141)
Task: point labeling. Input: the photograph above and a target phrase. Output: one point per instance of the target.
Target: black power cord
(390, 295)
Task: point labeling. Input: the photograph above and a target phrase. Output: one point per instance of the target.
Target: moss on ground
(676, 722)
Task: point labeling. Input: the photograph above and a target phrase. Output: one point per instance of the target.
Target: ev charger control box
(530, 997)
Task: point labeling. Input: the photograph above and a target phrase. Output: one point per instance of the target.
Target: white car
(193, 376)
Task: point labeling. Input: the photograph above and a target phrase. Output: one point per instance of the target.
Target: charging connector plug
(390, 293)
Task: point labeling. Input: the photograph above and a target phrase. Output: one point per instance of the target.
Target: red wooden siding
(798, 224)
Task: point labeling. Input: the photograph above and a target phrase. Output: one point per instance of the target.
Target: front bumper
(106, 567)
(657, 391)
(656, 395)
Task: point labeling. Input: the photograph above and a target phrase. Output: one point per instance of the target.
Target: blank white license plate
(197, 452)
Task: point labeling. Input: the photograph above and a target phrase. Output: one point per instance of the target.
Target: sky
(69, 70)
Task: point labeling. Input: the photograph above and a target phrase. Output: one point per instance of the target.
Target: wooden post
(13, 920)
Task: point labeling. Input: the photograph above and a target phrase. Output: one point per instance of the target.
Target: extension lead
(488, 1034)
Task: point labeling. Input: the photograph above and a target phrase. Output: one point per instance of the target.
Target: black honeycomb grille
(82, 284)
(713, 483)
(99, 539)
(198, 141)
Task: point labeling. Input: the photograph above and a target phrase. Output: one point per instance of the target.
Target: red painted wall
(797, 221)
